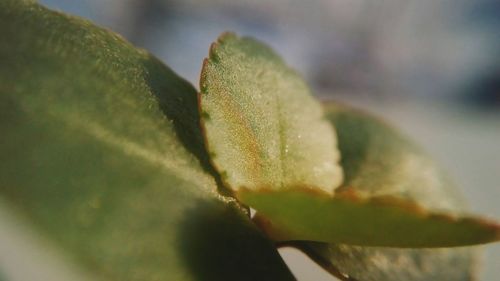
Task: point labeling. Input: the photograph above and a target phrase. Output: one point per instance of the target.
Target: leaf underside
(300, 214)
(262, 126)
(100, 150)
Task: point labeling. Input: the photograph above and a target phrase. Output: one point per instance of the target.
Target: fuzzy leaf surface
(262, 126)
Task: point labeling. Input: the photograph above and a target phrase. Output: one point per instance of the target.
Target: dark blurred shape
(485, 91)
(148, 14)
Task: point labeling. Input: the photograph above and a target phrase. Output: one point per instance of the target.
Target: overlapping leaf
(263, 128)
(100, 149)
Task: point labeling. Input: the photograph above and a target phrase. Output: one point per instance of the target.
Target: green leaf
(379, 161)
(299, 214)
(263, 129)
(100, 149)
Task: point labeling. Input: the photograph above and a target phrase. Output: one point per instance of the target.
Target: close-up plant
(130, 173)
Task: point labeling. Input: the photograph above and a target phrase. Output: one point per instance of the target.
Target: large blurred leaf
(100, 149)
(379, 161)
(263, 128)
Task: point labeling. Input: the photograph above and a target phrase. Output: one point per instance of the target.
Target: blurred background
(432, 68)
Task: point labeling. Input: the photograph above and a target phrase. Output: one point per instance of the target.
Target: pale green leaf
(100, 149)
(262, 126)
(300, 214)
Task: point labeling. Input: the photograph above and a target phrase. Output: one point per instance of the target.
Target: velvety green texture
(100, 149)
(370, 147)
(263, 128)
